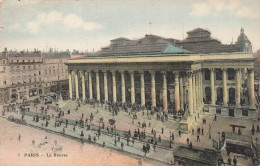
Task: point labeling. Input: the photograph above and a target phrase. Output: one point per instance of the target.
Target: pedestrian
(162, 130)
(188, 141)
(33, 142)
(198, 138)
(82, 134)
(235, 161)
(253, 129)
(122, 145)
(154, 147)
(152, 131)
(192, 131)
(190, 144)
(74, 128)
(172, 136)
(179, 132)
(229, 161)
(19, 137)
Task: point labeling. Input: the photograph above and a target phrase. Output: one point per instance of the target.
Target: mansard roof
(198, 41)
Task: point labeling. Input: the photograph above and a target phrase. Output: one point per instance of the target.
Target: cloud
(200, 9)
(14, 27)
(246, 12)
(234, 7)
(74, 22)
(70, 21)
(33, 26)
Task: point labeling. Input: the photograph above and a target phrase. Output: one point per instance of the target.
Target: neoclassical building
(195, 74)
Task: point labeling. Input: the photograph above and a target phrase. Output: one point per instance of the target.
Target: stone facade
(28, 75)
(176, 80)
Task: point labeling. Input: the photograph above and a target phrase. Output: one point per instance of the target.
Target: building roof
(24, 54)
(56, 55)
(147, 44)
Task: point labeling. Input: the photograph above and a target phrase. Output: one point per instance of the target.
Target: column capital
(176, 73)
(163, 72)
(152, 72)
(113, 72)
(212, 69)
(96, 71)
(131, 72)
(141, 71)
(237, 69)
(250, 70)
(121, 71)
(224, 69)
(89, 71)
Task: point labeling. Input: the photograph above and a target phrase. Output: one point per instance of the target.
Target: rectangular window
(231, 74)
(218, 110)
(4, 82)
(207, 74)
(244, 112)
(218, 74)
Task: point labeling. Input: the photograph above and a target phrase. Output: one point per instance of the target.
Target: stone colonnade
(192, 100)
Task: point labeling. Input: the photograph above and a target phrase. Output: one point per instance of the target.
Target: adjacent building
(194, 75)
(27, 75)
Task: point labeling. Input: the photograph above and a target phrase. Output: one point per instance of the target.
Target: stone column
(123, 85)
(238, 87)
(194, 91)
(201, 87)
(97, 85)
(70, 84)
(114, 85)
(77, 84)
(165, 104)
(181, 93)
(177, 91)
(83, 85)
(251, 88)
(224, 86)
(212, 88)
(190, 93)
(197, 89)
(132, 86)
(90, 85)
(142, 88)
(105, 85)
(153, 91)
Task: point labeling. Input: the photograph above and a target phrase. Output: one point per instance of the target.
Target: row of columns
(238, 86)
(179, 101)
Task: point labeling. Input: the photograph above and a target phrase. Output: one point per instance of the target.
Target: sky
(88, 25)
